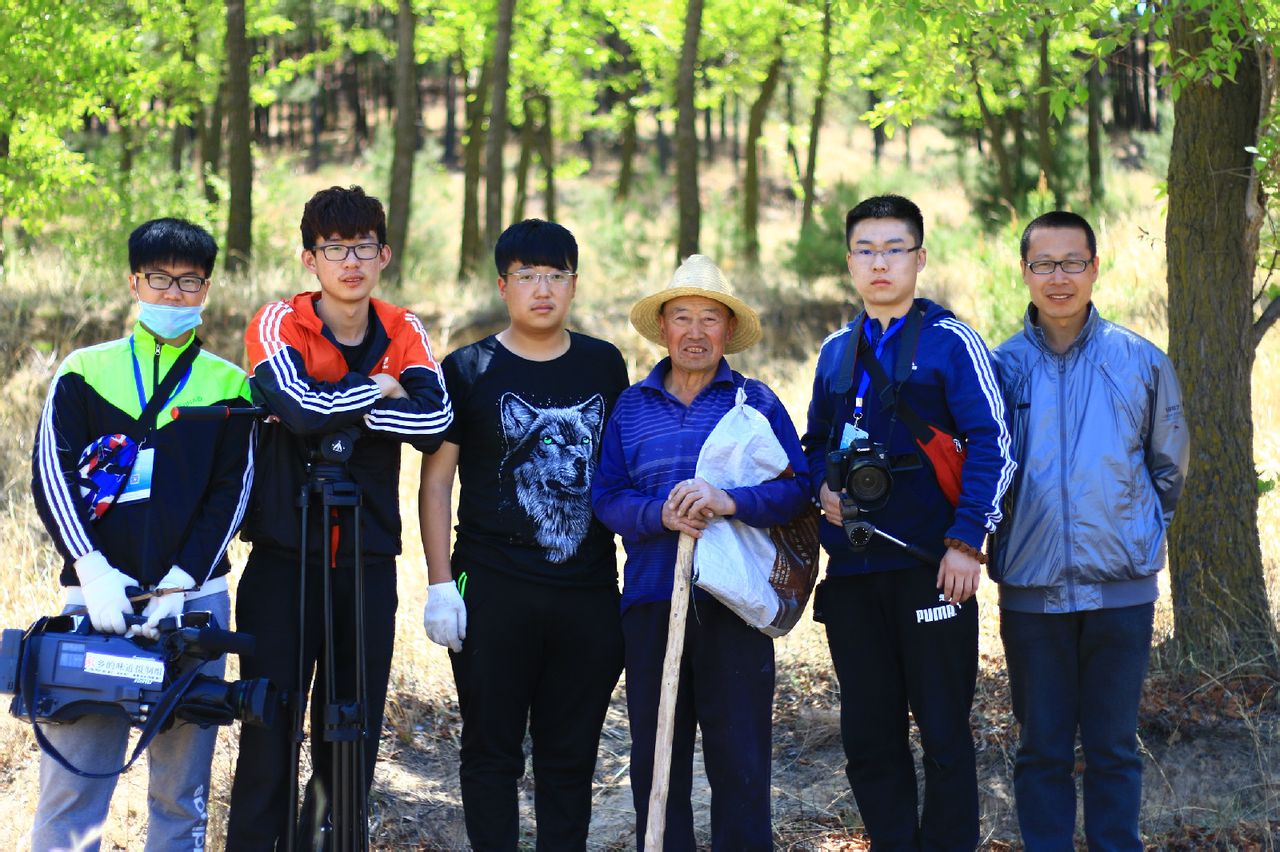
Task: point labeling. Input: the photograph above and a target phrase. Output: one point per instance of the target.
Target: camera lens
(868, 483)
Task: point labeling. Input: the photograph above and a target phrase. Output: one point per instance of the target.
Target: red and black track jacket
(301, 376)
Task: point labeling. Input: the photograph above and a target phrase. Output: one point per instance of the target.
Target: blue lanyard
(866, 377)
(137, 380)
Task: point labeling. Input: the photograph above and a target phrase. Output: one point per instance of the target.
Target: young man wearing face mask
(135, 500)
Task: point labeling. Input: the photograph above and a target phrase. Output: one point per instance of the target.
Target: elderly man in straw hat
(645, 490)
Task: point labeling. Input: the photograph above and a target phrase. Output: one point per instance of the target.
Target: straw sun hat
(698, 276)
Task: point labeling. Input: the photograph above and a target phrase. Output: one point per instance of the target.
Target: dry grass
(50, 304)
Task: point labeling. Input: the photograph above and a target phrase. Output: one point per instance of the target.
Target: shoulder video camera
(59, 670)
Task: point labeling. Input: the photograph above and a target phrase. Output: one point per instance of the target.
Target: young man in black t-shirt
(538, 640)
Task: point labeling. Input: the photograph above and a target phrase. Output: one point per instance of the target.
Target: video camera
(59, 670)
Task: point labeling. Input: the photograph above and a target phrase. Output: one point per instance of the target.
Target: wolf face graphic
(549, 457)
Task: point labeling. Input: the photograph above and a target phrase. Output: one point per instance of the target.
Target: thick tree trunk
(688, 204)
(815, 120)
(406, 140)
(239, 156)
(1215, 204)
(471, 252)
(1094, 132)
(751, 183)
(497, 136)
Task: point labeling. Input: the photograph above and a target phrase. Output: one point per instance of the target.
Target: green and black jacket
(203, 470)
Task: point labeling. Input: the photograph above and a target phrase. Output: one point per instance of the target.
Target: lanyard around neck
(865, 382)
(137, 379)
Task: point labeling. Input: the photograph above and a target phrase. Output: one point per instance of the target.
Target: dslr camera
(59, 670)
(862, 474)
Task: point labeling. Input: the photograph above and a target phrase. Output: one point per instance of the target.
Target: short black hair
(1059, 219)
(536, 242)
(347, 212)
(886, 207)
(172, 241)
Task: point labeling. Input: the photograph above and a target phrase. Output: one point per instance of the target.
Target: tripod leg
(295, 735)
(362, 693)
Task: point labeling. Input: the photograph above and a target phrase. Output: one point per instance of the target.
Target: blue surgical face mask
(169, 321)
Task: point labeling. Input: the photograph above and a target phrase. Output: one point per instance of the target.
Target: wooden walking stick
(661, 780)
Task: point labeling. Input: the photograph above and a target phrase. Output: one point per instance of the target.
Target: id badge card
(852, 433)
(138, 487)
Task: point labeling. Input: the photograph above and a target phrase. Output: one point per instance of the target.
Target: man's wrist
(966, 548)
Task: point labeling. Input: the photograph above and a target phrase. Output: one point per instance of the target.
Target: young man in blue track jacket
(903, 626)
(1102, 446)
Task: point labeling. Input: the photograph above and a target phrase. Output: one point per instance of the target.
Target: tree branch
(1264, 323)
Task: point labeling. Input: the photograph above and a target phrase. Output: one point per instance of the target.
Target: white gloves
(165, 606)
(103, 589)
(445, 615)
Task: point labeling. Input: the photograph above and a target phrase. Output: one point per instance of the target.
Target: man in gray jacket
(1101, 445)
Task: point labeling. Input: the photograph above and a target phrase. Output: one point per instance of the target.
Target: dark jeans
(726, 689)
(897, 647)
(540, 657)
(267, 608)
(1078, 670)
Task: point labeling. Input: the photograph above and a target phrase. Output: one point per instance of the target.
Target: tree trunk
(239, 156)
(662, 142)
(547, 155)
(317, 121)
(471, 252)
(815, 120)
(626, 168)
(1094, 80)
(1215, 211)
(708, 137)
(211, 145)
(1043, 119)
(522, 166)
(690, 210)
(406, 140)
(4, 155)
(359, 120)
(751, 183)
(449, 137)
(995, 130)
(497, 136)
(879, 138)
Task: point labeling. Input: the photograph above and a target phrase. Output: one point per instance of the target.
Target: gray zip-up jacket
(1102, 447)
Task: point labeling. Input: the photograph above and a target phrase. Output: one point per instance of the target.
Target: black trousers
(546, 659)
(726, 690)
(267, 608)
(897, 646)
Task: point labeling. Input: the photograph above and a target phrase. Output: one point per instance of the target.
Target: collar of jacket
(1035, 333)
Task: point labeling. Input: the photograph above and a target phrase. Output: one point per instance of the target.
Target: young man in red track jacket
(326, 361)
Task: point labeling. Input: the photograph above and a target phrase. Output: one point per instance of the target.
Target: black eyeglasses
(1046, 267)
(337, 252)
(162, 281)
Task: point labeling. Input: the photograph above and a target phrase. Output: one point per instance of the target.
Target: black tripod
(337, 811)
(345, 715)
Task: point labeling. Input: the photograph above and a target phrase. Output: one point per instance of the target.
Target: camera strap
(944, 451)
(155, 720)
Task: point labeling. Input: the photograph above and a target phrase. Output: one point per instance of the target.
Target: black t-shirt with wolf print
(529, 434)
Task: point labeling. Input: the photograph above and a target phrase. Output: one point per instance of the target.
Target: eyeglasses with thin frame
(1070, 266)
(529, 278)
(890, 254)
(337, 252)
(162, 281)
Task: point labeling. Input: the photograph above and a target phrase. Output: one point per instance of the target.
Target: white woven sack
(733, 560)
